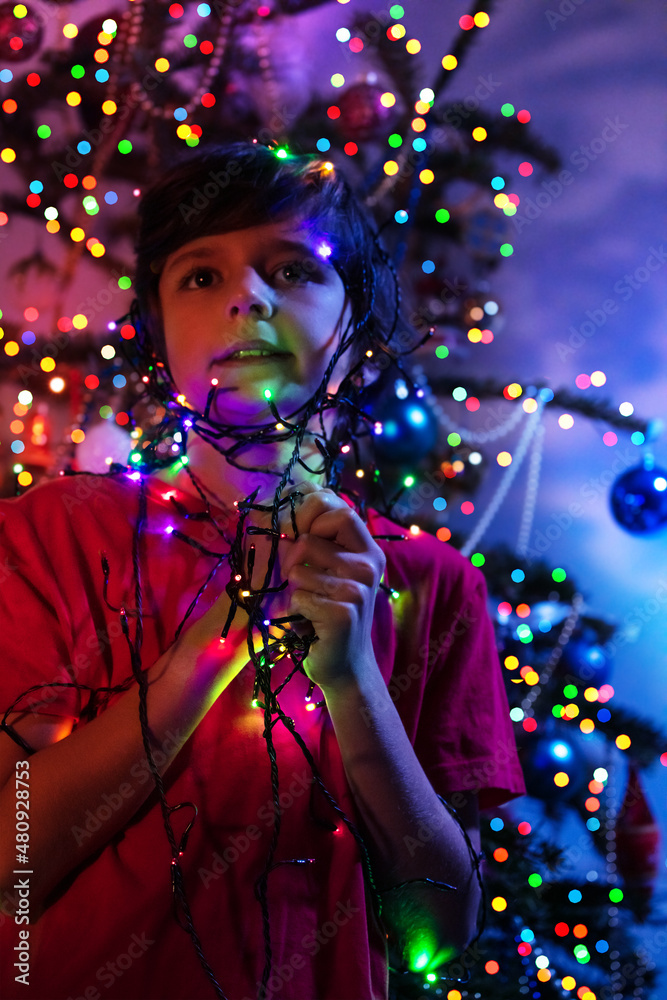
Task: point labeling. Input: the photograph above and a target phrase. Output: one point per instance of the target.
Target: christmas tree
(95, 101)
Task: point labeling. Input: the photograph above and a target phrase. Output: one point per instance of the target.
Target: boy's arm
(410, 833)
(72, 771)
(334, 569)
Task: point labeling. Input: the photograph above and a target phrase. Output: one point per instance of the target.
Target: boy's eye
(201, 277)
(294, 273)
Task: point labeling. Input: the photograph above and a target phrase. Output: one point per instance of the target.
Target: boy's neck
(224, 483)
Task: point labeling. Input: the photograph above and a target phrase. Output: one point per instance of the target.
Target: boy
(257, 318)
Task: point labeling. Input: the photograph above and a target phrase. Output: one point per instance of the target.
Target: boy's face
(270, 290)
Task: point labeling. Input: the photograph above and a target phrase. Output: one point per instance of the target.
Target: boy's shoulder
(65, 498)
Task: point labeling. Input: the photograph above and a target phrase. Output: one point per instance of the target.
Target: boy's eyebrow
(206, 252)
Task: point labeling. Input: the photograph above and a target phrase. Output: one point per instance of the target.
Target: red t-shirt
(110, 931)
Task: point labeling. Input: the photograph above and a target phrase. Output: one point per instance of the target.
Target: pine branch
(563, 399)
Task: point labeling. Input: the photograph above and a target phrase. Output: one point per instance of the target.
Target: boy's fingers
(344, 527)
(327, 556)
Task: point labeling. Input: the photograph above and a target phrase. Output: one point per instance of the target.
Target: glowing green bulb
(431, 977)
(281, 154)
(136, 457)
(409, 481)
(267, 394)
(184, 459)
(420, 961)
(395, 594)
(254, 703)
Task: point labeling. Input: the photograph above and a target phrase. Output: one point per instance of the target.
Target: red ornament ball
(637, 838)
(20, 37)
(362, 115)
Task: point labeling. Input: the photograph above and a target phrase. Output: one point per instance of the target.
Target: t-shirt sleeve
(36, 640)
(465, 740)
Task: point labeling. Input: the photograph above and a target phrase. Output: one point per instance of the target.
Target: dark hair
(238, 185)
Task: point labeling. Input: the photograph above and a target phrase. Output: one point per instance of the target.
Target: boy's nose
(250, 296)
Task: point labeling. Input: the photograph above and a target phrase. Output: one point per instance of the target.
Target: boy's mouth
(258, 352)
(253, 353)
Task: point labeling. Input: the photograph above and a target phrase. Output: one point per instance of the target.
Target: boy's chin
(235, 409)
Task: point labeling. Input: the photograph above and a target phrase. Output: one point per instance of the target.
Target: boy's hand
(334, 569)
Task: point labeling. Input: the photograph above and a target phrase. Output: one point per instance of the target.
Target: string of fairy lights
(97, 202)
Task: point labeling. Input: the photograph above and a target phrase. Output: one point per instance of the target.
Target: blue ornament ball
(587, 662)
(409, 429)
(544, 758)
(639, 499)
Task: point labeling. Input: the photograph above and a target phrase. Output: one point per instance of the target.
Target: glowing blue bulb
(416, 416)
(560, 750)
